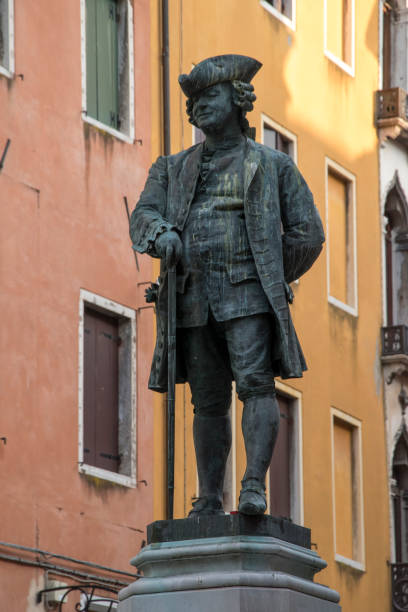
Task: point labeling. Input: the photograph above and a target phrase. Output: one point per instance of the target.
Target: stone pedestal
(231, 563)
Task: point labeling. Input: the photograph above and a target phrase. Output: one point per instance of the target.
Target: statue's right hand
(169, 247)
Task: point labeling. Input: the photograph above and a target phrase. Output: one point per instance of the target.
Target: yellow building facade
(315, 101)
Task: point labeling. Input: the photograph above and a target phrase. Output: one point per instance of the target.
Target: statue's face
(213, 108)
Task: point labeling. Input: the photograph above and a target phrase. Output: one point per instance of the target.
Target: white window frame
(9, 72)
(351, 179)
(125, 137)
(358, 529)
(296, 467)
(107, 305)
(348, 68)
(291, 23)
(282, 130)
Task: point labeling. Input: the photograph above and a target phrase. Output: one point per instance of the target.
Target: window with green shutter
(108, 66)
(102, 71)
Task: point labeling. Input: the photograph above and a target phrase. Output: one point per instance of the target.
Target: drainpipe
(166, 151)
(166, 77)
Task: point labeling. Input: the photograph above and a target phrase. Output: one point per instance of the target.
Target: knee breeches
(217, 353)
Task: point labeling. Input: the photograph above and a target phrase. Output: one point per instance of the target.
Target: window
(339, 24)
(394, 47)
(386, 45)
(107, 390)
(396, 253)
(279, 138)
(341, 238)
(7, 37)
(399, 491)
(347, 490)
(276, 140)
(284, 10)
(108, 91)
(284, 482)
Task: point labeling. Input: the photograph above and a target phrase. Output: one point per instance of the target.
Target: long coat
(284, 229)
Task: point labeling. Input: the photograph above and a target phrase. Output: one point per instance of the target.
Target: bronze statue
(239, 221)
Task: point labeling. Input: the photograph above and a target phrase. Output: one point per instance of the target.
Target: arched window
(400, 496)
(396, 255)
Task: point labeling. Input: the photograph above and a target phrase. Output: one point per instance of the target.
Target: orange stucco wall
(63, 227)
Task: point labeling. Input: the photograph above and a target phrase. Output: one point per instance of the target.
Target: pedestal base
(234, 572)
(228, 599)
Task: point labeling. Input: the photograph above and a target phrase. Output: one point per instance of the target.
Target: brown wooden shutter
(101, 377)
(279, 474)
(282, 144)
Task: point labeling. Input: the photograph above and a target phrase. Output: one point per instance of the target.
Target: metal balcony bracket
(401, 372)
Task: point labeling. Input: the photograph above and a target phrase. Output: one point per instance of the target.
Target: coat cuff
(159, 228)
(146, 244)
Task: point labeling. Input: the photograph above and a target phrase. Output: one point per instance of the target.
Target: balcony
(395, 340)
(399, 587)
(391, 114)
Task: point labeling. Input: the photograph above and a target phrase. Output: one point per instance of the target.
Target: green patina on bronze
(241, 223)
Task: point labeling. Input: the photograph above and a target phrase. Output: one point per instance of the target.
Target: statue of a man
(239, 221)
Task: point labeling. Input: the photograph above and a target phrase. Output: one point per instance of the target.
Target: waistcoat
(216, 245)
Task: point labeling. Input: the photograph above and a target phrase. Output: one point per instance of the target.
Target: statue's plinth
(230, 562)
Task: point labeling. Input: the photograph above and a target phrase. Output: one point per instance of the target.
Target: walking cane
(171, 386)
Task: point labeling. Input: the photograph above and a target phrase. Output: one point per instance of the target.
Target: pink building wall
(63, 227)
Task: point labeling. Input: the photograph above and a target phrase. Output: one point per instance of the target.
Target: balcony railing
(395, 340)
(391, 104)
(89, 594)
(391, 115)
(399, 586)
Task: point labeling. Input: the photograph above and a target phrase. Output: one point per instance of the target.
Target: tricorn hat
(217, 70)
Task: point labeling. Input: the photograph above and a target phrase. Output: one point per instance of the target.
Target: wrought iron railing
(395, 340)
(399, 586)
(90, 595)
